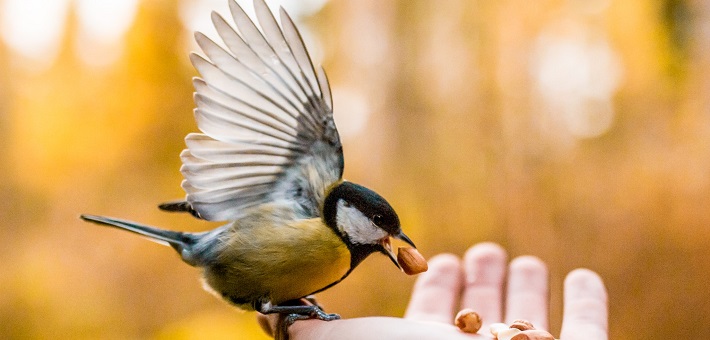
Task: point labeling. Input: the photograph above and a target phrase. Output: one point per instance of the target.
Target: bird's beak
(405, 238)
(386, 244)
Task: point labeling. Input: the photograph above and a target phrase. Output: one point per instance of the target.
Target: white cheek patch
(357, 226)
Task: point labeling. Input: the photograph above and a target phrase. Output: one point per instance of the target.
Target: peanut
(522, 325)
(411, 261)
(533, 334)
(468, 321)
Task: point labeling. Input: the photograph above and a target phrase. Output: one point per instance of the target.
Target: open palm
(478, 282)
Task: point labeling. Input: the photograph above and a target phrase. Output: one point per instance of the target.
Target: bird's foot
(289, 314)
(315, 312)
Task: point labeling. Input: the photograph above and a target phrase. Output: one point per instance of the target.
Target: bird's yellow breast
(278, 262)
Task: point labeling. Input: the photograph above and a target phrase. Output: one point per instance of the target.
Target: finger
(437, 291)
(527, 291)
(585, 307)
(484, 271)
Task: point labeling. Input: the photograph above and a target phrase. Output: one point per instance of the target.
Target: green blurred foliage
(457, 133)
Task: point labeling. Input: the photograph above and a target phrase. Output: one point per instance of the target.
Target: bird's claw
(315, 313)
(289, 317)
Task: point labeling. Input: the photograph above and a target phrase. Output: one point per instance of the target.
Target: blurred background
(576, 131)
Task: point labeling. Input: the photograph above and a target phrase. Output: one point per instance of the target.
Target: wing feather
(274, 37)
(222, 194)
(207, 166)
(239, 72)
(228, 113)
(231, 125)
(256, 41)
(218, 79)
(266, 120)
(234, 104)
(297, 49)
(243, 52)
(325, 88)
(204, 146)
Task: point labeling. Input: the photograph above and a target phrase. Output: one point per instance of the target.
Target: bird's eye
(346, 204)
(377, 220)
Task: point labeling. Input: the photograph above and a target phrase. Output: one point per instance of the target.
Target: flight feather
(266, 119)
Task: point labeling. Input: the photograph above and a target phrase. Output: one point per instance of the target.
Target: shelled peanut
(519, 330)
(469, 321)
(411, 261)
(523, 325)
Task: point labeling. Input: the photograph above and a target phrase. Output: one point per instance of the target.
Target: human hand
(477, 283)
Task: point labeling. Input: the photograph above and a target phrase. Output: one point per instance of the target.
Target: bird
(268, 161)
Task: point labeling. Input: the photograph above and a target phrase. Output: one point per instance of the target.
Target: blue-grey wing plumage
(266, 119)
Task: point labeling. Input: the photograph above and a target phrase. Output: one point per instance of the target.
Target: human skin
(477, 282)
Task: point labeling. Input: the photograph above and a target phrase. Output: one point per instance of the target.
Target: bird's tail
(178, 240)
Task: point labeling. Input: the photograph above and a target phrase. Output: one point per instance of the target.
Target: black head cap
(371, 204)
(357, 233)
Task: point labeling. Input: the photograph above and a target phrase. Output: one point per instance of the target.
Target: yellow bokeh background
(576, 131)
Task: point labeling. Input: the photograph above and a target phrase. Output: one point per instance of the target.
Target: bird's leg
(294, 310)
(307, 312)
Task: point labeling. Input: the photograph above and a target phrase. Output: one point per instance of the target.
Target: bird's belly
(278, 264)
(307, 275)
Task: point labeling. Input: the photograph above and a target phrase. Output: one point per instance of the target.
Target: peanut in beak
(386, 244)
(411, 261)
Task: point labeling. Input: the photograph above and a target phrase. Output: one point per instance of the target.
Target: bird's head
(364, 220)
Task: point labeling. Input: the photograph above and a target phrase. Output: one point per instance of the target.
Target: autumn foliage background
(576, 131)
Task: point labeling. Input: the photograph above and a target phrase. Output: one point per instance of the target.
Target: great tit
(270, 161)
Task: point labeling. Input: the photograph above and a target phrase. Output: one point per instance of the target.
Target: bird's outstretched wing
(266, 119)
